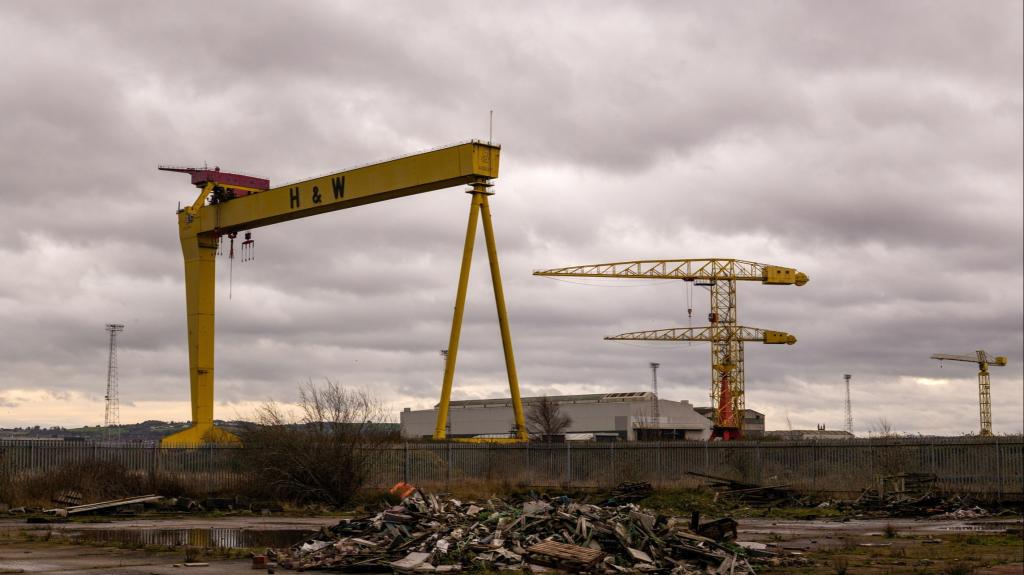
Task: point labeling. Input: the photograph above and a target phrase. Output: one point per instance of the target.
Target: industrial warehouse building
(753, 422)
(595, 416)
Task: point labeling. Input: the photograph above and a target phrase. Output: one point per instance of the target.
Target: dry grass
(98, 480)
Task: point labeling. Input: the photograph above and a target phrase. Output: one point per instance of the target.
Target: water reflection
(214, 537)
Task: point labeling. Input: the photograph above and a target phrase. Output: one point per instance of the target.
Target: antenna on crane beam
(849, 409)
(112, 415)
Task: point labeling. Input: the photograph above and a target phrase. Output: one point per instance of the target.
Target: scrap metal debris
(726, 488)
(912, 495)
(427, 533)
(630, 492)
(103, 505)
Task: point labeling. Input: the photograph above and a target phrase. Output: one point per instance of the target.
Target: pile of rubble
(426, 533)
(913, 495)
(737, 491)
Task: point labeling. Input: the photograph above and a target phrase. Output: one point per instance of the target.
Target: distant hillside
(147, 431)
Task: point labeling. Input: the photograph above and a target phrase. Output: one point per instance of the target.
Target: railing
(991, 466)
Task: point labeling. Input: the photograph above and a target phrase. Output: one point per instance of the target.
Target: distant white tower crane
(112, 416)
(849, 408)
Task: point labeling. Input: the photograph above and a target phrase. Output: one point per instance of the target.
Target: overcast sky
(875, 146)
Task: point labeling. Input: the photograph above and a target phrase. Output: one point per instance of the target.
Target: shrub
(320, 455)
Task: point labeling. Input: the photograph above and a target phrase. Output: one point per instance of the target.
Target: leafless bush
(321, 454)
(882, 428)
(544, 418)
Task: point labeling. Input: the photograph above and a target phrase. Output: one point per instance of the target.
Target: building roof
(810, 433)
(746, 412)
(628, 396)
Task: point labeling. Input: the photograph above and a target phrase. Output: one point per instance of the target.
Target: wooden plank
(566, 552)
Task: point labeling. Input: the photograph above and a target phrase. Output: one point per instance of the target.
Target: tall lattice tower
(654, 389)
(849, 409)
(112, 417)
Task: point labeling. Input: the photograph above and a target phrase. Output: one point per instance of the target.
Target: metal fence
(991, 466)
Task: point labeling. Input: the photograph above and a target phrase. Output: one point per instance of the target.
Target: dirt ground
(877, 546)
(892, 546)
(48, 548)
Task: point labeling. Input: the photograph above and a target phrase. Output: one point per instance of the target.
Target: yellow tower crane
(984, 386)
(719, 275)
(232, 203)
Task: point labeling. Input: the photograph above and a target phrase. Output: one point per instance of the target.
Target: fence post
(405, 474)
(611, 456)
(931, 459)
(814, 466)
(657, 461)
(448, 480)
(529, 465)
(871, 457)
(999, 469)
(568, 464)
(759, 465)
(707, 457)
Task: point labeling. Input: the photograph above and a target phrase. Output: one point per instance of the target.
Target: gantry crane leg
(506, 334)
(200, 251)
(479, 209)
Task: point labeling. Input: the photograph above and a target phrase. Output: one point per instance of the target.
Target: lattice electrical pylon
(655, 412)
(849, 407)
(112, 416)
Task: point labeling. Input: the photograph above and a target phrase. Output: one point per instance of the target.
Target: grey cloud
(876, 146)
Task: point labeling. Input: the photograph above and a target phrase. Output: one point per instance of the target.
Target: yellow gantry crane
(229, 204)
(984, 386)
(719, 275)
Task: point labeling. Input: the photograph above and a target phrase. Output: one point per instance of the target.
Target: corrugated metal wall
(991, 466)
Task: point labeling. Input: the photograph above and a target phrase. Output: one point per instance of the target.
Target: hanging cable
(231, 262)
(248, 248)
(689, 305)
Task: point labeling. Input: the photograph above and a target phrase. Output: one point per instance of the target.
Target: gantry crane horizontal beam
(686, 269)
(712, 333)
(434, 170)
